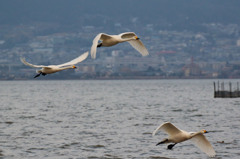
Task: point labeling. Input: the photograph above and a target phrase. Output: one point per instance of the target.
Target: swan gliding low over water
(176, 135)
(55, 68)
(110, 40)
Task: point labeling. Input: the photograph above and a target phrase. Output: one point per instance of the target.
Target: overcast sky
(150, 11)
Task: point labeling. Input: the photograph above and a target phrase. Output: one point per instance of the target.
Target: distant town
(210, 52)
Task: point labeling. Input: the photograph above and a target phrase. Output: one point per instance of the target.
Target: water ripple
(112, 119)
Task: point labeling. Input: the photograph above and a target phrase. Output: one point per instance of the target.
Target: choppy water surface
(113, 119)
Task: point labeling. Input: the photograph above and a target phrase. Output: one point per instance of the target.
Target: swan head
(74, 67)
(136, 38)
(204, 131)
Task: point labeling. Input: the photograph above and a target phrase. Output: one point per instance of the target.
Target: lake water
(113, 119)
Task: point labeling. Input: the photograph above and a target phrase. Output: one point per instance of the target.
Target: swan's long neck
(192, 134)
(126, 39)
(67, 67)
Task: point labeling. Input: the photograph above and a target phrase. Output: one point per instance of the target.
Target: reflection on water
(112, 119)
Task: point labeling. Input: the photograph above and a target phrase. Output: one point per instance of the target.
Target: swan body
(56, 68)
(176, 135)
(110, 40)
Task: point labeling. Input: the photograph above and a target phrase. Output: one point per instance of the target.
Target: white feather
(203, 144)
(138, 45)
(76, 60)
(167, 127)
(94, 45)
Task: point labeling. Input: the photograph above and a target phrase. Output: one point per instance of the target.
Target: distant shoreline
(117, 78)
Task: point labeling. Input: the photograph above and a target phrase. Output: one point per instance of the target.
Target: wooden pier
(220, 92)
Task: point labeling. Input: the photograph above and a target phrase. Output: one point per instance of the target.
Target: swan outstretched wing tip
(158, 128)
(204, 145)
(93, 55)
(154, 132)
(22, 59)
(211, 154)
(93, 51)
(26, 63)
(139, 46)
(146, 53)
(85, 55)
(94, 45)
(168, 128)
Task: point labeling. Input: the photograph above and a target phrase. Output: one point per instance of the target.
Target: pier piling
(221, 92)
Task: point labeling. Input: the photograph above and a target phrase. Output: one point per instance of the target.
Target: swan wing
(31, 65)
(204, 145)
(169, 128)
(127, 35)
(138, 45)
(105, 36)
(94, 45)
(100, 36)
(76, 60)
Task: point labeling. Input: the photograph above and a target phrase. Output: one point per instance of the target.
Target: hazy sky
(150, 11)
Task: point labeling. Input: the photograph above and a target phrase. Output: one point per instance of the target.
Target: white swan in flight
(55, 68)
(110, 40)
(176, 135)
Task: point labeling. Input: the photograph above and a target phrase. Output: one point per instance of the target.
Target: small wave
(177, 110)
(192, 110)
(26, 117)
(34, 148)
(149, 124)
(196, 115)
(64, 146)
(107, 156)
(147, 133)
(93, 157)
(158, 157)
(112, 156)
(7, 122)
(215, 131)
(1, 153)
(96, 146)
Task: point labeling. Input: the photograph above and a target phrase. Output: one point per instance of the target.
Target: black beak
(158, 143)
(206, 132)
(137, 38)
(162, 142)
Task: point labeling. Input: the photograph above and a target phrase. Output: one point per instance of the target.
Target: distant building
(192, 69)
